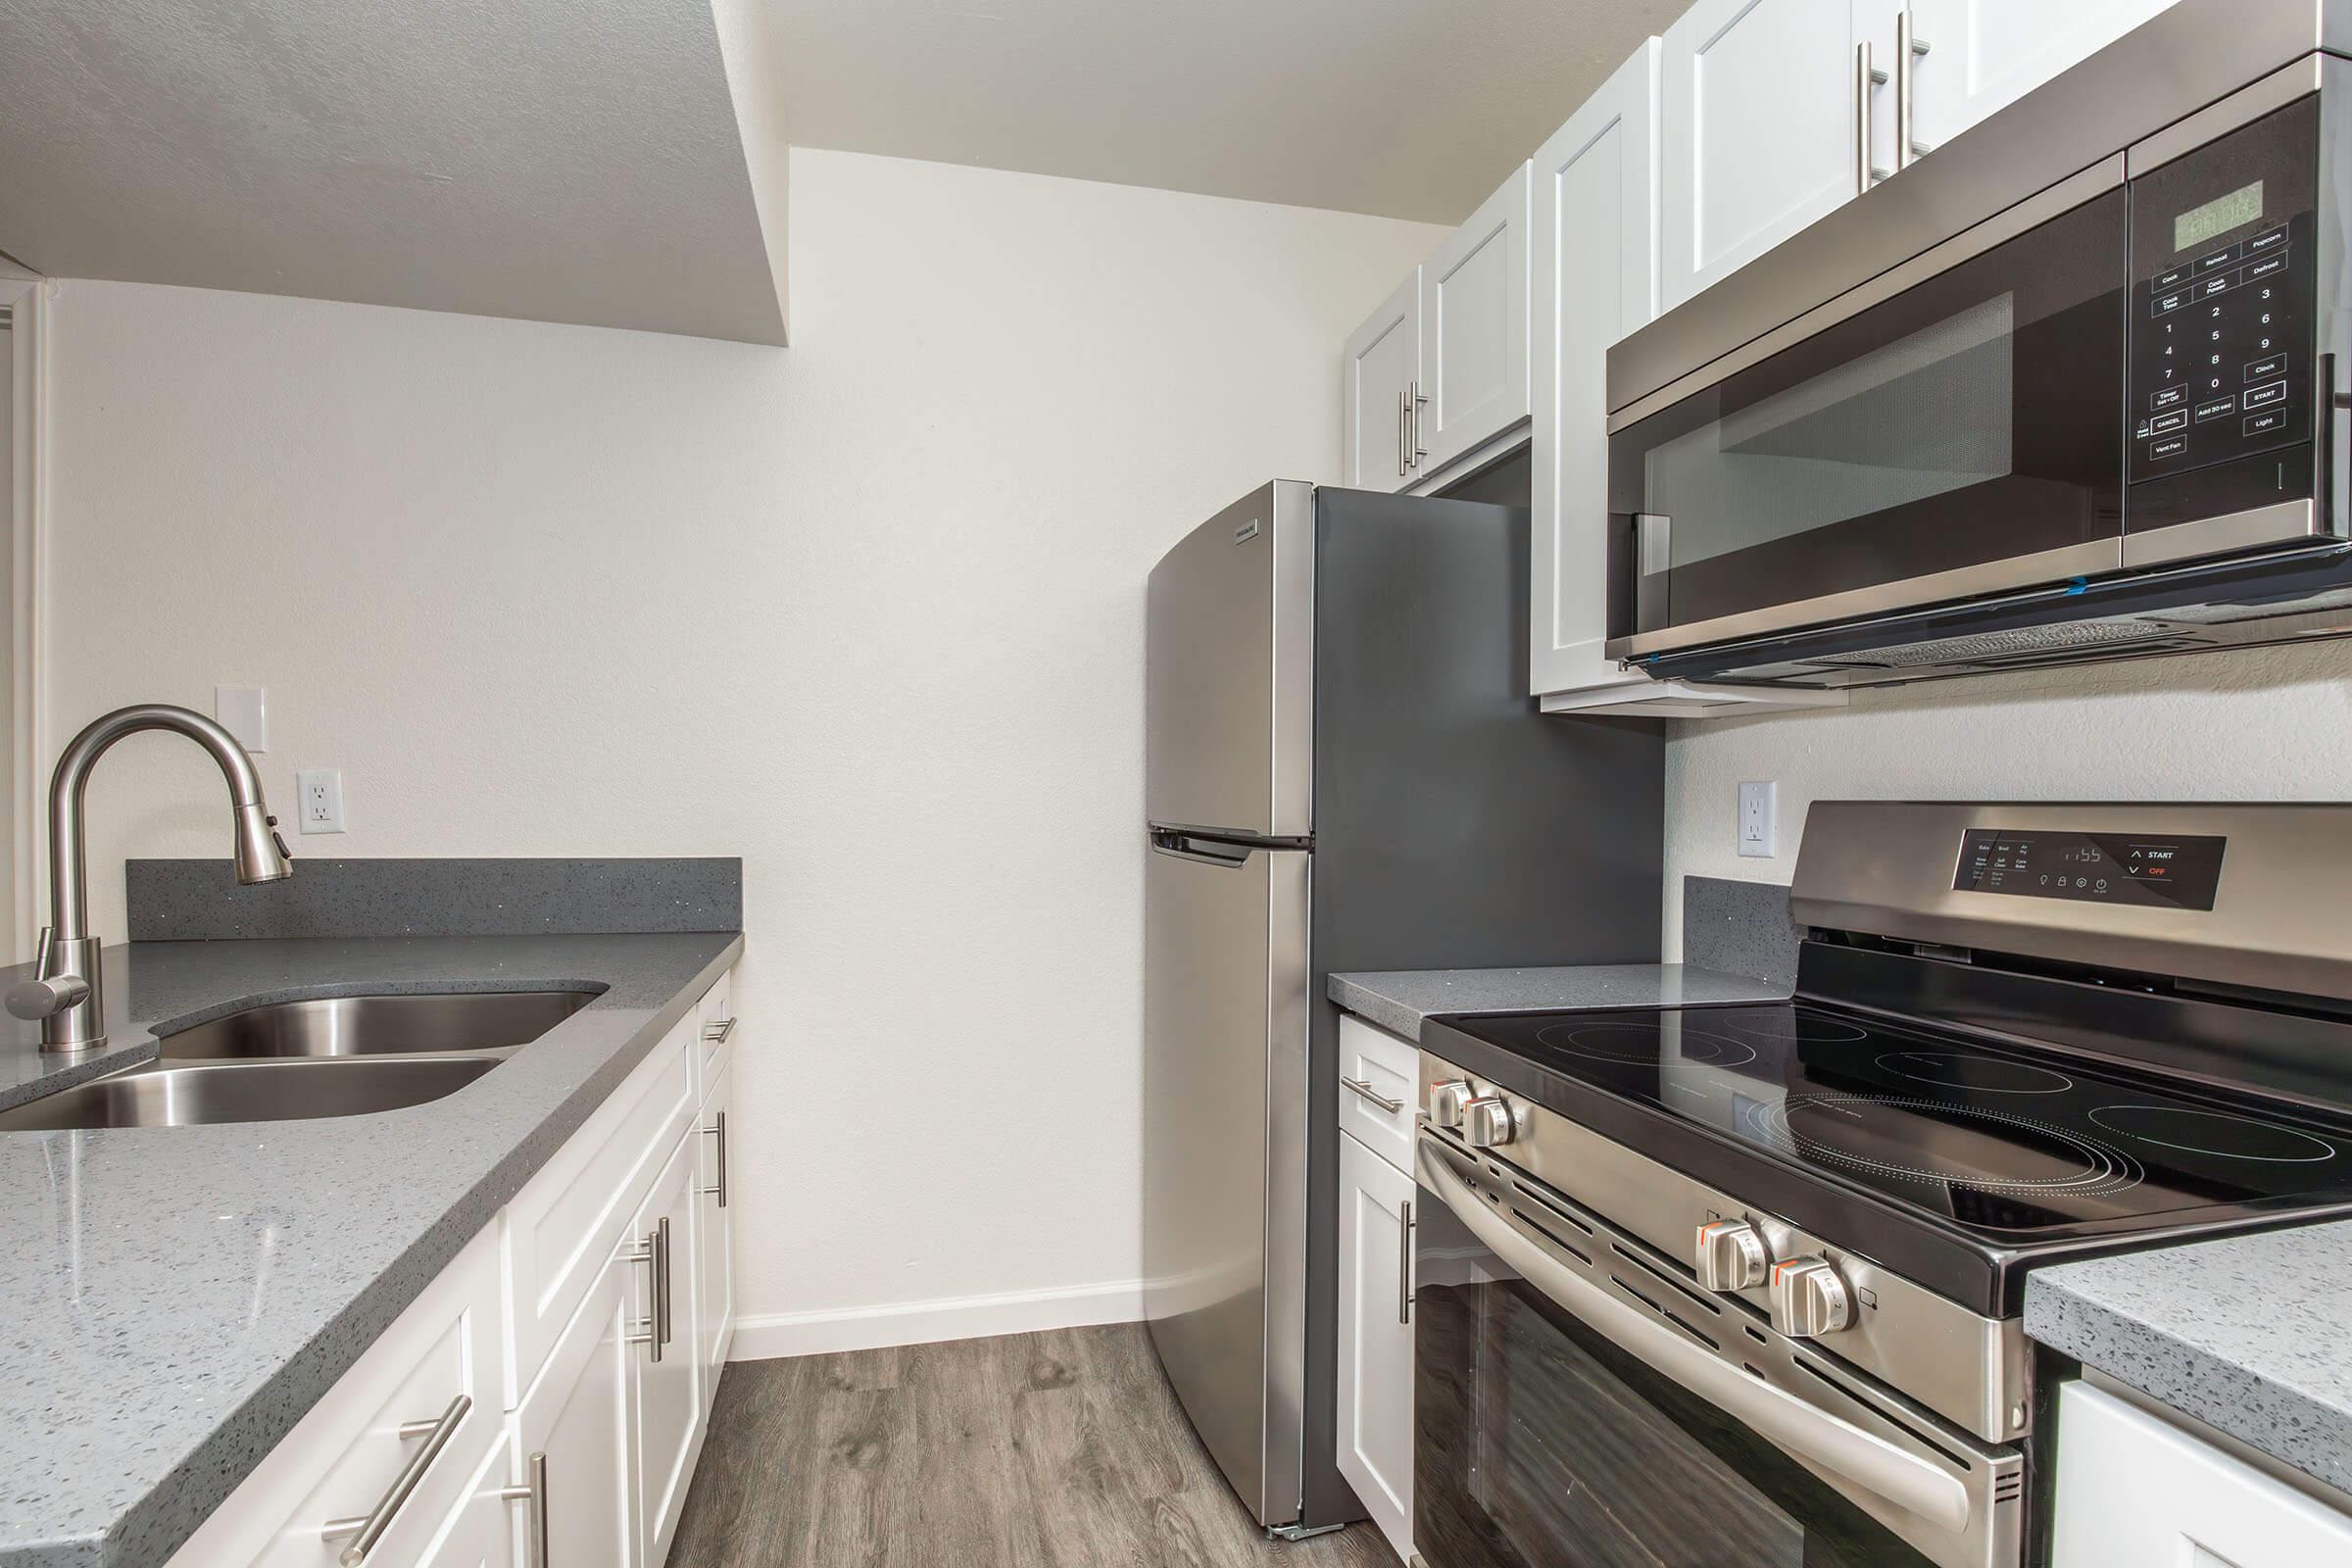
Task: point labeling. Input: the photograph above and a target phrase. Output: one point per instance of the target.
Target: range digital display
(2175, 872)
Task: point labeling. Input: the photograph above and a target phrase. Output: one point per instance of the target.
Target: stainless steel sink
(376, 1026)
(176, 1095)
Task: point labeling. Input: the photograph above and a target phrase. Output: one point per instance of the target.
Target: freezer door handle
(1209, 852)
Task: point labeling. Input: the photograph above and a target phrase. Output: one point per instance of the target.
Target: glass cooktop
(1988, 1138)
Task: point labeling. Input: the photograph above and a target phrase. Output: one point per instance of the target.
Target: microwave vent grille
(2000, 648)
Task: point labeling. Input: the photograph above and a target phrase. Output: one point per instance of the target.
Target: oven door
(1576, 1402)
(1961, 436)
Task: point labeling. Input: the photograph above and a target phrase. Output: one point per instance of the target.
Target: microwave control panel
(2223, 303)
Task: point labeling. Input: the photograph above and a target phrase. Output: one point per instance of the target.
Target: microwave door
(1957, 437)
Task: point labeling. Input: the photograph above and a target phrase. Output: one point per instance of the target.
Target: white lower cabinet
(2135, 1490)
(526, 1376)
(1376, 1339)
(666, 1376)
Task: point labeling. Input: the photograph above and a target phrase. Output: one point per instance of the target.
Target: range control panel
(2162, 871)
(2221, 329)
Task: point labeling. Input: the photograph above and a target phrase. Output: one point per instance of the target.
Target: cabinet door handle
(1908, 47)
(1866, 76)
(719, 1131)
(1420, 402)
(533, 1493)
(1404, 1262)
(654, 1252)
(365, 1533)
(717, 1030)
(1403, 436)
(1365, 1091)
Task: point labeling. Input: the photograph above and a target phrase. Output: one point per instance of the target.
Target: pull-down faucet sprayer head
(262, 855)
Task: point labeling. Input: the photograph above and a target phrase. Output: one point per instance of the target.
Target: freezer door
(1230, 670)
(1225, 1042)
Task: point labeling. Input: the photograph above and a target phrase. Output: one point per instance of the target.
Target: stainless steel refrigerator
(1343, 772)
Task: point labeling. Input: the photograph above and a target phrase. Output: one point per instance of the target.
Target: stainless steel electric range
(1728, 1287)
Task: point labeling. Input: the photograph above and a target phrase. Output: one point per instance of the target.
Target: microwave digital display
(2223, 213)
(2154, 871)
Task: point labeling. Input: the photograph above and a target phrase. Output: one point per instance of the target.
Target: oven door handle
(1805, 1431)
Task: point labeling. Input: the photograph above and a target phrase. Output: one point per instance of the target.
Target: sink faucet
(66, 992)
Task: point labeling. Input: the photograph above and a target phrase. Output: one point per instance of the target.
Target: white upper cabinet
(1983, 54)
(1596, 279)
(1384, 374)
(1758, 115)
(1474, 323)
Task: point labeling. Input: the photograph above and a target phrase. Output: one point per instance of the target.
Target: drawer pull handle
(1365, 1091)
(534, 1492)
(717, 1032)
(718, 1130)
(365, 1533)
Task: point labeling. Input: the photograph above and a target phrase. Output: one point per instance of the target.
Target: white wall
(868, 612)
(2267, 725)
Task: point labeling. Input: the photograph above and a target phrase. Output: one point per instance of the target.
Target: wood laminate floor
(1063, 1450)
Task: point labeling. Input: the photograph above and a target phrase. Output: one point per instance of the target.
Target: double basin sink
(319, 1056)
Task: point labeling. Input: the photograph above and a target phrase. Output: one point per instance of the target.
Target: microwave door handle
(1809, 1433)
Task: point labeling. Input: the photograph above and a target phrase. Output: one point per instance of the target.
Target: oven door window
(1964, 429)
(1539, 1444)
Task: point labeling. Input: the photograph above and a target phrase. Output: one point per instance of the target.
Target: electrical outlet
(1759, 812)
(322, 793)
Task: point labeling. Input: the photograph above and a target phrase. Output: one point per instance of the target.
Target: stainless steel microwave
(2069, 387)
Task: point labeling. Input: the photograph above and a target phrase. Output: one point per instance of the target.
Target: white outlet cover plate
(319, 797)
(1759, 812)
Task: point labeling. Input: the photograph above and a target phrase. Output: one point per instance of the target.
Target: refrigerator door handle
(1209, 852)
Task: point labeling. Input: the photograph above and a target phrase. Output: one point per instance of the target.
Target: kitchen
(688, 672)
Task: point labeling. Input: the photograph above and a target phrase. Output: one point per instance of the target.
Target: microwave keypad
(2221, 351)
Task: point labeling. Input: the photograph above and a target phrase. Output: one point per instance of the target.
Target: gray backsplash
(1740, 928)
(187, 901)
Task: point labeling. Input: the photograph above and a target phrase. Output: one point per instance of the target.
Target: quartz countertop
(1398, 1000)
(178, 1298)
(2245, 1334)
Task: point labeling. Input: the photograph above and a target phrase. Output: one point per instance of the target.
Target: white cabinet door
(2134, 1489)
(1758, 136)
(1983, 54)
(1384, 373)
(1376, 1340)
(577, 1414)
(1596, 279)
(666, 1402)
(715, 1246)
(1474, 320)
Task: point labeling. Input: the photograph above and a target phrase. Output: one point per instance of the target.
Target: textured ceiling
(557, 160)
(1406, 108)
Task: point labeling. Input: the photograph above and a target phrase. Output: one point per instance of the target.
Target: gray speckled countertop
(1399, 998)
(177, 1299)
(2246, 1334)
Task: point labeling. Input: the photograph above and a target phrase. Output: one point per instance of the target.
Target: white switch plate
(244, 712)
(1759, 813)
(320, 791)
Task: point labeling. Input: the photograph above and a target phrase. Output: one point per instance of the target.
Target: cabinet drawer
(561, 1227)
(399, 1403)
(1387, 1067)
(715, 1029)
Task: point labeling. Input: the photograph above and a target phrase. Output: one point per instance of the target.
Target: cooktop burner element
(1867, 1133)
(2003, 1142)
(1975, 1072)
(1643, 1042)
(2225, 1134)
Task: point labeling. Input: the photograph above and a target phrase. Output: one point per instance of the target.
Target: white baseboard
(766, 1335)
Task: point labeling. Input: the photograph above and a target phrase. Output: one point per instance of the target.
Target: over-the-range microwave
(2071, 387)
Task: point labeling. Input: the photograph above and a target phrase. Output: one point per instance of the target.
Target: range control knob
(1487, 1122)
(1446, 1100)
(1731, 1255)
(1809, 1299)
